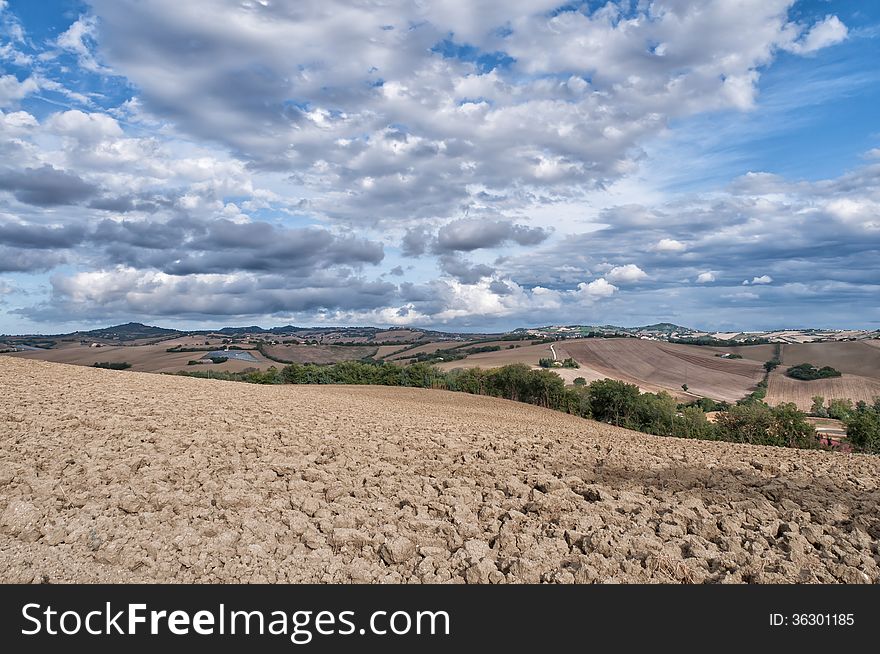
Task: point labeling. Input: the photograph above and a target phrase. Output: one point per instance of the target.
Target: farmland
(251, 483)
(318, 353)
(143, 358)
(853, 387)
(657, 366)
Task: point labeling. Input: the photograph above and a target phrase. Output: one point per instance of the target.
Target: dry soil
(121, 476)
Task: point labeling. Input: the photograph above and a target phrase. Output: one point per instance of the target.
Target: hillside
(656, 366)
(123, 476)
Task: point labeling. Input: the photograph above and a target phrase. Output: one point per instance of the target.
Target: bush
(809, 372)
(771, 365)
(818, 407)
(613, 401)
(863, 428)
(758, 424)
(580, 381)
(840, 409)
(112, 365)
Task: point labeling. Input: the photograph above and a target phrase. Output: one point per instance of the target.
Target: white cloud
(626, 274)
(598, 288)
(75, 38)
(706, 277)
(12, 90)
(828, 32)
(86, 127)
(763, 279)
(744, 295)
(669, 245)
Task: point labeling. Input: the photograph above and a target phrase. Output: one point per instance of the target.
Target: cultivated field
(427, 348)
(528, 354)
(143, 358)
(124, 477)
(320, 353)
(386, 350)
(854, 357)
(656, 366)
(785, 389)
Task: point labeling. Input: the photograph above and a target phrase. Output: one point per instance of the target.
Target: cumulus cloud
(763, 279)
(464, 271)
(828, 32)
(128, 291)
(472, 234)
(243, 167)
(12, 90)
(422, 107)
(46, 186)
(415, 241)
(598, 288)
(705, 277)
(669, 245)
(626, 274)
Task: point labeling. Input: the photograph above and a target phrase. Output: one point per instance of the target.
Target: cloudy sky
(461, 164)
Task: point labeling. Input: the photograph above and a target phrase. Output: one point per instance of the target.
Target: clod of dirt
(131, 477)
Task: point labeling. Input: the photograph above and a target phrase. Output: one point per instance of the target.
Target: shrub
(809, 372)
(863, 428)
(112, 365)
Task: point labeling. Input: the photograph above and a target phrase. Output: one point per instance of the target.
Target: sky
(452, 164)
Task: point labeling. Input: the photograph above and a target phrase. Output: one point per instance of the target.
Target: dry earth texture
(124, 477)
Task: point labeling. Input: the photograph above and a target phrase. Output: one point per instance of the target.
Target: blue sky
(453, 165)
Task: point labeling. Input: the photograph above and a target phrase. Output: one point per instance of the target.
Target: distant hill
(665, 328)
(130, 331)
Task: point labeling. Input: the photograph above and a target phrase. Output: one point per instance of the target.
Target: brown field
(656, 366)
(528, 354)
(784, 389)
(143, 358)
(123, 477)
(402, 335)
(386, 350)
(853, 357)
(760, 353)
(320, 353)
(427, 348)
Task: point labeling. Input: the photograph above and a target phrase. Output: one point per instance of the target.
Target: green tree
(863, 429)
(692, 423)
(613, 401)
(791, 428)
(840, 408)
(818, 408)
